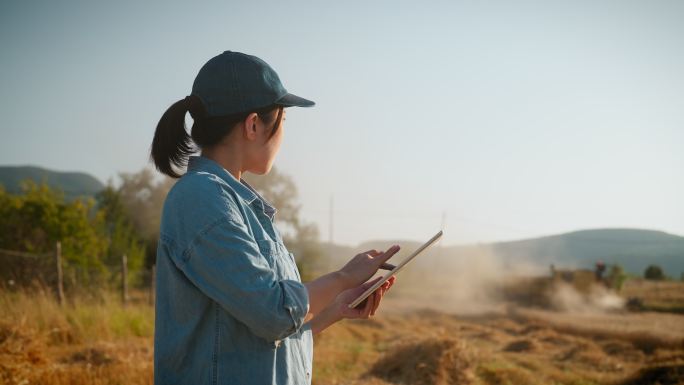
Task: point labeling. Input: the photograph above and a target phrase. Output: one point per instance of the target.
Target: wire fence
(49, 272)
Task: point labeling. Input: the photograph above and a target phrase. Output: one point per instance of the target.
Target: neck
(229, 157)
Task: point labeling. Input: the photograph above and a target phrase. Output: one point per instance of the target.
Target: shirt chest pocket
(281, 261)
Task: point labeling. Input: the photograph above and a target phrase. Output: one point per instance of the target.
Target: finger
(369, 284)
(388, 254)
(361, 289)
(387, 266)
(378, 298)
(387, 284)
(386, 289)
(375, 300)
(380, 295)
(372, 252)
(369, 307)
(391, 280)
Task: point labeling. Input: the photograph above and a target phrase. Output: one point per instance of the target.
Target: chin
(262, 170)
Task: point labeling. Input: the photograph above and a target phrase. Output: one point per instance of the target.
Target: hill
(73, 184)
(633, 249)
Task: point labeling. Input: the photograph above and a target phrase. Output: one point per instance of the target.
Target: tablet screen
(395, 270)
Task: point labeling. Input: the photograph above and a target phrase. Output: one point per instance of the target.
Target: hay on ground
(426, 362)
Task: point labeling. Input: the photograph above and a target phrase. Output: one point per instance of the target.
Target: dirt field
(665, 296)
(409, 342)
(514, 346)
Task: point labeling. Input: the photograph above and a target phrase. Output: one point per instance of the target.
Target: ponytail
(171, 145)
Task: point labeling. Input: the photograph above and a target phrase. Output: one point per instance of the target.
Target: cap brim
(290, 100)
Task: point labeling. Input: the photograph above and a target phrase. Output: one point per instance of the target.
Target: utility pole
(443, 225)
(330, 230)
(124, 280)
(60, 274)
(330, 225)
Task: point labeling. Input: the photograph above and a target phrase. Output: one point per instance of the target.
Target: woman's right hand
(365, 265)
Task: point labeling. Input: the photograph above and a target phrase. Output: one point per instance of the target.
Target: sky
(496, 120)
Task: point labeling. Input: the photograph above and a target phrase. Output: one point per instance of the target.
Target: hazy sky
(515, 118)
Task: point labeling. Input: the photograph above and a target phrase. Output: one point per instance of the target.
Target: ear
(249, 126)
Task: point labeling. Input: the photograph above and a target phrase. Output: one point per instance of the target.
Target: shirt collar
(198, 163)
(268, 208)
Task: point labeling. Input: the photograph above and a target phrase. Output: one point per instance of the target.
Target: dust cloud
(565, 297)
(475, 280)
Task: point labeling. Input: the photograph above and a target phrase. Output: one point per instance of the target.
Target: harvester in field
(541, 291)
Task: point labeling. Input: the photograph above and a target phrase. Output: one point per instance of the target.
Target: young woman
(231, 307)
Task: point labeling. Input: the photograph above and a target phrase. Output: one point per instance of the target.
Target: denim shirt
(230, 304)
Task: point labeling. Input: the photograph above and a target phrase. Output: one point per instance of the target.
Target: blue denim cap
(234, 82)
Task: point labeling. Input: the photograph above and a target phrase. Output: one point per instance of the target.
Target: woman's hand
(364, 265)
(339, 308)
(366, 308)
(323, 290)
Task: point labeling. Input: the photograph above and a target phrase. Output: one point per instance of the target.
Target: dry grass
(101, 342)
(646, 331)
(80, 343)
(425, 362)
(515, 347)
(665, 296)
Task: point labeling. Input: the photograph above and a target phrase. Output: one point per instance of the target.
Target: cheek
(276, 141)
(279, 142)
(271, 149)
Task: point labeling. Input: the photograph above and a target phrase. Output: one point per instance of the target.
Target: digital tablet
(395, 270)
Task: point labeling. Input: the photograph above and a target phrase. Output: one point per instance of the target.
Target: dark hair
(172, 145)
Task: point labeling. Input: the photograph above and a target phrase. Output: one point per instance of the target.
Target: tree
(36, 220)
(122, 237)
(142, 197)
(654, 272)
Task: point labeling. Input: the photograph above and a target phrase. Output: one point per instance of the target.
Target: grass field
(407, 343)
(514, 346)
(667, 296)
(81, 343)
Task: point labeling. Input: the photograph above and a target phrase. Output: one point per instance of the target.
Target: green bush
(654, 272)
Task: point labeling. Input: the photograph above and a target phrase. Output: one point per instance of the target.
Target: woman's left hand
(339, 307)
(366, 308)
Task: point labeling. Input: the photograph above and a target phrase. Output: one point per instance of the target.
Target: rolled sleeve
(296, 300)
(225, 263)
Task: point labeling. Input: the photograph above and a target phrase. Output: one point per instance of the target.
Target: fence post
(153, 283)
(124, 279)
(60, 274)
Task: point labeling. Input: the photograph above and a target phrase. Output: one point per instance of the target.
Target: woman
(231, 307)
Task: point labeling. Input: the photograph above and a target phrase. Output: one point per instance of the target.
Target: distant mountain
(633, 249)
(73, 184)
